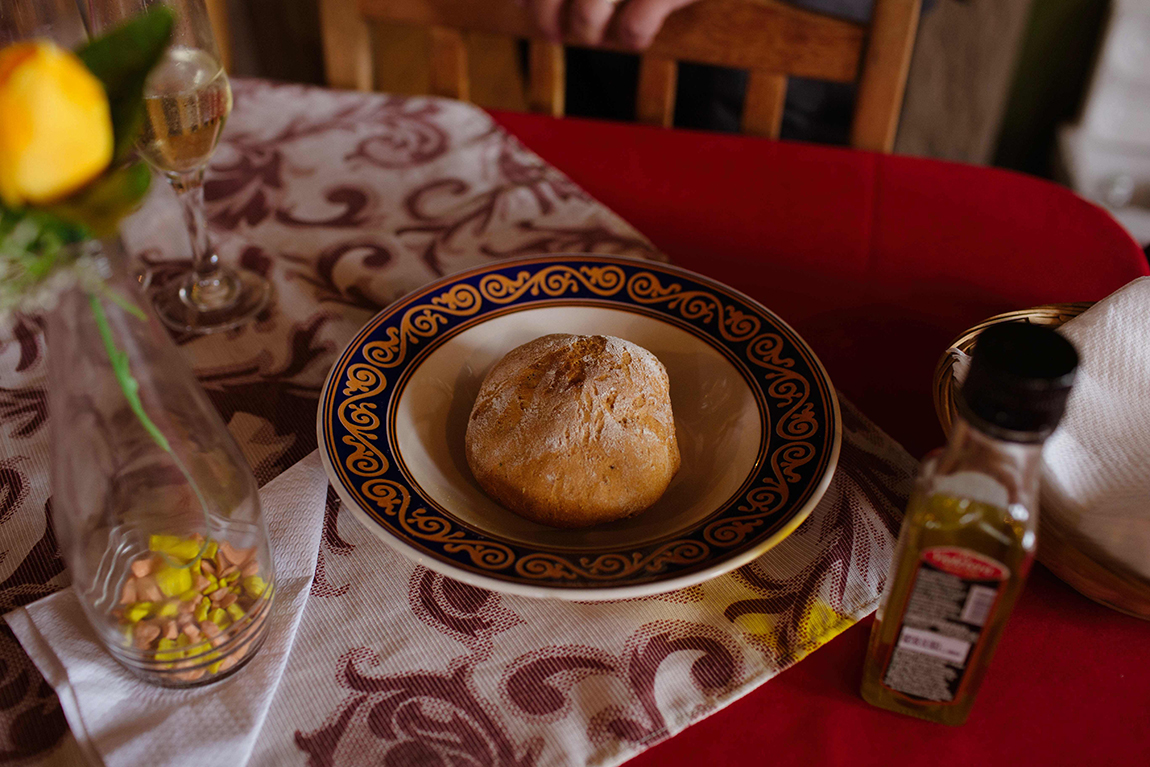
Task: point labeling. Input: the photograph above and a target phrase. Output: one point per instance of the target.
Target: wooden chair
(770, 39)
(218, 17)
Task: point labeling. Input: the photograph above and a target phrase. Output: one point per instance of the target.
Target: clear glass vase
(155, 508)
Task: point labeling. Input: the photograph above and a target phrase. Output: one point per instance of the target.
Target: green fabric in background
(1054, 67)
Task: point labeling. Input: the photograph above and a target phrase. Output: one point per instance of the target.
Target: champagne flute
(188, 99)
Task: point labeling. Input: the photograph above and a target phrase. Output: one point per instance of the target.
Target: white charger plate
(756, 418)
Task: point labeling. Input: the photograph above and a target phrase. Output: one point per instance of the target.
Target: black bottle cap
(1020, 378)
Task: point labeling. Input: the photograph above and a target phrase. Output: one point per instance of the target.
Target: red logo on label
(966, 564)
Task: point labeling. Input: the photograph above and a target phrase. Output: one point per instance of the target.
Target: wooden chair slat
(763, 106)
(221, 29)
(547, 85)
(496, 72)
(788, 39)
(449, 76)
(655, 103)
(883, 82)
(347, 46)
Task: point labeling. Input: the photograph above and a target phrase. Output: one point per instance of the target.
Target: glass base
(229, 652)
(173, 680)
(224, 302)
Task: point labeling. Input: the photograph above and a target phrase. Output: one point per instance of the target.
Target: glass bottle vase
(157, 512)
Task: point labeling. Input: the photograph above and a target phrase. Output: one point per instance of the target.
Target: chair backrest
(218, 17)
(770, 39)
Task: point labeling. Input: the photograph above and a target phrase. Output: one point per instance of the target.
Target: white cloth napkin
(1096, 472)
(118, 719)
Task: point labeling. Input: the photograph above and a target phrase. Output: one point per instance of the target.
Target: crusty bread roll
(572, 431)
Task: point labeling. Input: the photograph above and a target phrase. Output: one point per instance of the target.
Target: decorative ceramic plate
(756, 418)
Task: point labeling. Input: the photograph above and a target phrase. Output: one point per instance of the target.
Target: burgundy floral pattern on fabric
(346, 201)
(413, 667)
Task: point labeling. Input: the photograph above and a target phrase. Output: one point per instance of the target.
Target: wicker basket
(1076, 561)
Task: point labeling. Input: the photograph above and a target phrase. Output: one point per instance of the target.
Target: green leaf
(8, 219)
(46, 227)
(121, 60)
(100, 205)
(124, 304)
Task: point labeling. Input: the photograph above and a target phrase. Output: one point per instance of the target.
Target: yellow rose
(55, 124)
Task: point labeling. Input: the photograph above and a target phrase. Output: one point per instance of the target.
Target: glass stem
(209, 286)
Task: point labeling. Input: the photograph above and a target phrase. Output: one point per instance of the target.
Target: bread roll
(572, 431)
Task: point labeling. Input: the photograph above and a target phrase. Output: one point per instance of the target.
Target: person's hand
(631, 23)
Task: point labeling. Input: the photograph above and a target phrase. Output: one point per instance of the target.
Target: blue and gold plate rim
(797, 405)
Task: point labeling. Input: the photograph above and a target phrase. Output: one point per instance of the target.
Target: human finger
(547, 17)
(587, 20)
(638, 21)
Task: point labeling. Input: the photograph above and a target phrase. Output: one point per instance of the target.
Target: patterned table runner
(346, 201)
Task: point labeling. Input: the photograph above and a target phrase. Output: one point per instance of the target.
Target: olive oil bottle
(968, 537)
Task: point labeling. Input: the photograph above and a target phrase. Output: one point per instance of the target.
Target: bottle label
(951, 599)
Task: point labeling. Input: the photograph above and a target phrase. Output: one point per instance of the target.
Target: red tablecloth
(879, 262)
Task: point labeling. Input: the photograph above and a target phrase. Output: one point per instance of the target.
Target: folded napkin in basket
(1096, 470)
(118, 719)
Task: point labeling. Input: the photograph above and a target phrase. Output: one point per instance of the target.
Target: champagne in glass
(187, 100)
